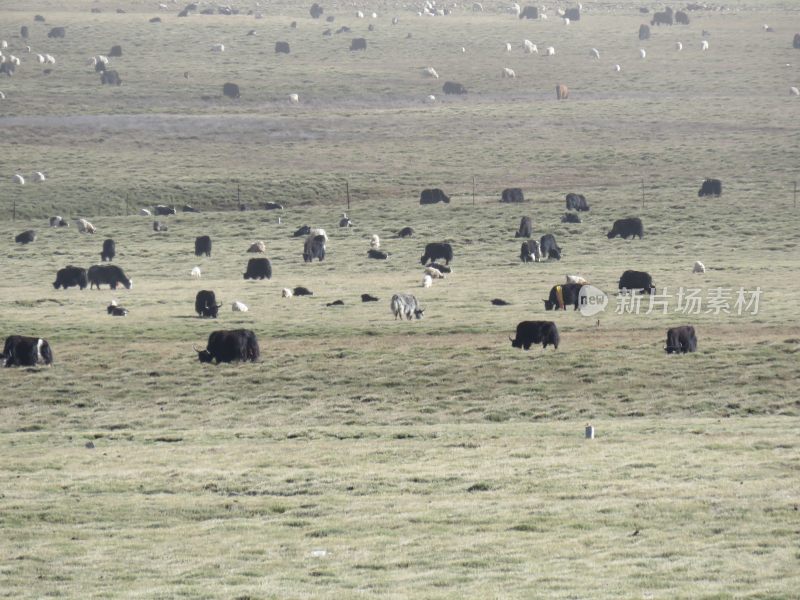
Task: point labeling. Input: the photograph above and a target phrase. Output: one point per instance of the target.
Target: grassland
(364, 457)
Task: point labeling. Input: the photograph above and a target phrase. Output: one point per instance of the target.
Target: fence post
(347, 191)
(642, 192)
(795, 193)
(14, 209)
(473, 190)
(238, 195)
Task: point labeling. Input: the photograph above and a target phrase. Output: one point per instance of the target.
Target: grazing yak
(572, 14)
(230, 346)
(358, 44)
(202, 245)
(433, 196)
(512, 195)
(549, 247)
(525, 228)
(405, 305)
(109, 250)
(405, 232)
(24, 351)
(530, 251)
(115, 52)
(570, 218)
(258, 268)
(281, 47)
(529, 12)
(316, 11)
(26, 237)
(375, 241)
(436, 250)
(369, 298)
(111, 275)
(301, 291)
(681, 340)
(681, 18)
(562, 92)
(205, 304)
(562, 296)
(710, 187)
(452, 87)
(627, 228)
(499, 302)
(637, 281)
(535, 332)
(57, 32)
(231, 90)
(110, 78)
(304, 230)
(577, 202)
(163, 211)
(377, 254)
(71, 276)
(314, 247)
(644, 32)
(663, 18)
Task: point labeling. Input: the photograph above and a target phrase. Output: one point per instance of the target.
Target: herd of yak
(242, 344)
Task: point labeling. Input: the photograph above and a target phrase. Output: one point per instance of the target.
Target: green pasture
(368, 457)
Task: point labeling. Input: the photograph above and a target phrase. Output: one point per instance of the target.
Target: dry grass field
(363, 456)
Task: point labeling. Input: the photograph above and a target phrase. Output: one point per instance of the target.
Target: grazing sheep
(594, 52)
(294, 99)
(49, 59)
(143, 212)
(678, 46)
(258, 246)
(84, 226)
(239, 306)
(359, 14)
(704, 45)
(617, 68)
(196, 273)
(18, 179)
(2, 96)
(434, 273)
(430, 99)
(431, 72)
(508, 47)
(530, 47)
(642, 53)
(427, 281)
(699, 267)
(550, 51)
(375, 242)
(287, 293)
(218, 48)
(38, 177)
(793, 91)
(509, 73)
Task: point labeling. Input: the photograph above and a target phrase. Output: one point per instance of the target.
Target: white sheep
(375, 241)
(2, 96)
(530, 47)
(286, 293)
(642, 53)
(431, 72)
(509, 73)
(617, 68)
(84, 226)
(430, 99)
(49, 59)
(427, 281)
(508, 47)
(14, 60)
(704, 45)
(434, 273)
(38, 177)
(239, 306)
(145, 213)
(698, 267)
(374, 15)
(218, 48)
(550, 51)
(515, 9)
(793, 91)
(294, 99)
(594, 52)
(197, 273)
(258, 247)
(359, 14)
(678, 46)
(3, 44)
(18, 179)
(566, 20)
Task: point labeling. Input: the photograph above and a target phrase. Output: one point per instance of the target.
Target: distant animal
(431, 72)
(637, 281)
(335, 303)
(23, 32)
(796, 41)
(432, 196)
(230, 346)
(405, 232)
(294, 99)
(231, 90)
(549, 51)
(375, 242)
(627, 228)
(115, 52)
(509, 73)
(163, 211)
(287, 293)
(435, 273)
(642, 53)
(218, 48)
(109, 250)
(525, 228)
(530, 47)
(272, 206)
(368, 298)
(512, 195)
(535, 332)
(258, 247)
(570, 218)
(316, 11)
(427, 281)
(663, 18)
(577, 279)
(189, 209)
(439, 267)
(681, 18)
(58, 221)
(405, 305)
(573, 14)
(343, 29)
(644, 32)
(529, 12)
(549, 247)
(110, 78)
(84, 226)
(202, 245)
(594, 53)
(145, 212)
(377, 254)
(159, 226)
(681, 340)
(110, 275)
(314, 247)
(436, 250)
(698, 267)
(302, 291)
(26, 237)
(710, 187)
(205, 304)
(530, 251)
(452, 87)
(71, 276)
(577, 202)
(38, 177)
(116, 311)
(793, 91)
(499, 302)
(358, 44)
(562, 296)
(237, 306)
(196, 273)
(678, 46)
(345, 221)
(281, 47)
(304, 230)
(155, 20)
(57, 32)
(38, 19)
(562, 92)
(704, 45)
(617, 68)
(25, 351)
(258, 268)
